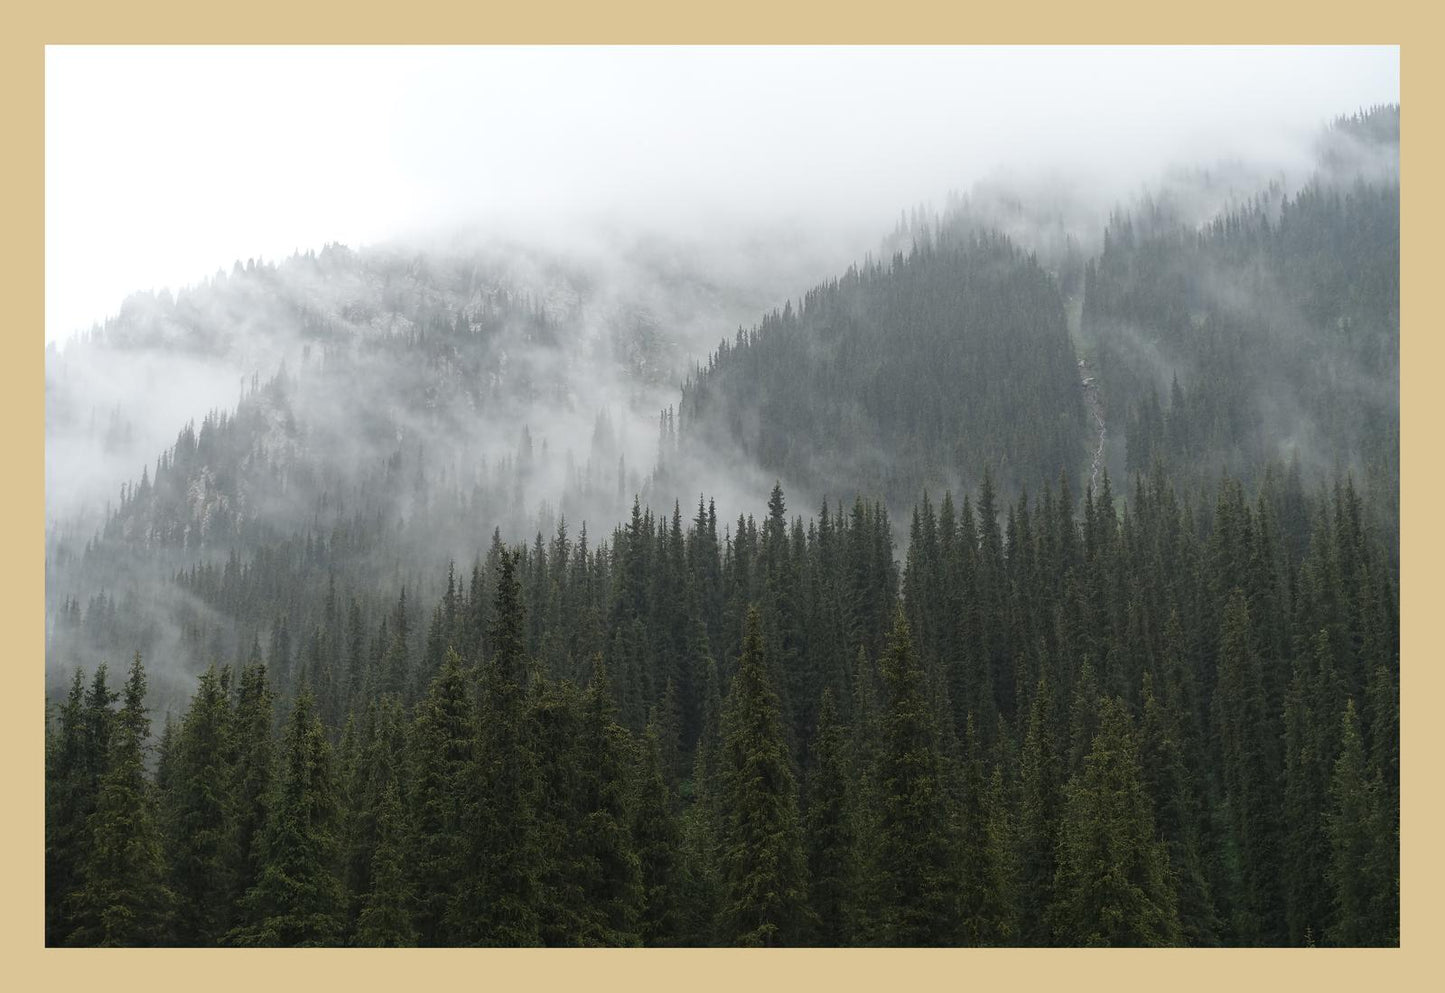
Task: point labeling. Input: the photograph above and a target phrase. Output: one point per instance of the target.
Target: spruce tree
(917, 868)
(1359, 871)
(385, 920)
(200, 815)
(611, 879)
(702, 819)
(763, 864)
(442, 747)
(252, 778)
(657, 837)
(123, 898)
(1040, 802)
(1113, 885)
(499, 896)
(1176, 806)
(69, 799)
(298, 899)
(832, 858)
(1252, 775)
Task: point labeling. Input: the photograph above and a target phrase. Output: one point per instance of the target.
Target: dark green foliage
(591, 886)
(833, 866)
(70, 791)
(657, 837)
(1360, 841)
(1177, 816)
(1251, 778)
(298, 898)
(499, 898)
(370, 765)
(122, 897)
(1040, 803)
(917, 857)
(1114, 885)
(252, 777)
(763, 863)
(387, 910)
(442, 752)
(510, 806)
(198, 816)
(1157, 707)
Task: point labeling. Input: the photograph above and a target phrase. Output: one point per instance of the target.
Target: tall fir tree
(763, 863)
(657, 837)
(199, 816)
(1359, 870)
(832, 857)
(252, 777)
(1114, 885)
(123, 898)
(917, 860)
(499, 898)
(385, 920)
(441, 768)
(298, 899)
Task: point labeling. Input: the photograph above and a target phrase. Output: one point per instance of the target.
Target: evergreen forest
(1003, 589)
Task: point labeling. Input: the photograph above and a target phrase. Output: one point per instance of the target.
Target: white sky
(164, 164)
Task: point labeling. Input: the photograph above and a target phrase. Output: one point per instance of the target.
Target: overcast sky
(164, 164)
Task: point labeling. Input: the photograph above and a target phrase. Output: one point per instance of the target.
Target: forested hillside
(1025, 584)
(774, 736)
(1272, 331)
(899, 378)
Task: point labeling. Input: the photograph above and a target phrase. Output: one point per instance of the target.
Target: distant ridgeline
(1271, 334)
(901, 378)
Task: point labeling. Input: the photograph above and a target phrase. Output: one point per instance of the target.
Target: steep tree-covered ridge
(902, 376)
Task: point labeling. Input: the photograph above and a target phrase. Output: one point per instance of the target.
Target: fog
(166, 163)
(618, 210)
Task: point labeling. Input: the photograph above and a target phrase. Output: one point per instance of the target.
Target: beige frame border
(846, 21)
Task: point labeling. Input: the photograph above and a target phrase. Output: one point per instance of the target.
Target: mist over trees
(1032, 581)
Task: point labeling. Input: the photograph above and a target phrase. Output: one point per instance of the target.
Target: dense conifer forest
(996, 592)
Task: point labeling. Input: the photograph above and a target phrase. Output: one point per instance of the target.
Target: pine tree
(386, 914)
(611, 879)
(657, 837)
(298, 899)
(1359, 837)
(442, 747)
(1113, 885)
(1311, 741)
(917, 851)
(199, 817)
(69, 799)
(123, 899)
(368, 765)
(702, 821)
(832, 859)
(252, 778)
(1176, 804)
(1252, 775)
(763, 864)
(1041, 801)
(1001, 890)
(498, 901)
